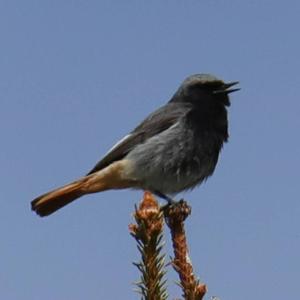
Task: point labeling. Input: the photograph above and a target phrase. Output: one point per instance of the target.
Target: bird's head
(207, 88)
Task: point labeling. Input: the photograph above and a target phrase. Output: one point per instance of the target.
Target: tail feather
(50, 202)
(110, 177)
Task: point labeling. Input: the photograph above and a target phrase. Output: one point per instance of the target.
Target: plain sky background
(75, 76)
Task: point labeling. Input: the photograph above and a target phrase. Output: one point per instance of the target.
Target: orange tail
(50, 202)
(109, 178)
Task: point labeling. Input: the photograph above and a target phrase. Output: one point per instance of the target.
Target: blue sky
(75, 76)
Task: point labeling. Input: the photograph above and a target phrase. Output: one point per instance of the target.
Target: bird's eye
(215, 86)
(210, 87)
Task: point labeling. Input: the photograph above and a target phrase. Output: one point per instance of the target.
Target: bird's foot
(177, 212)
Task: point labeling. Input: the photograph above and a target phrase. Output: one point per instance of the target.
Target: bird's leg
(165, 197)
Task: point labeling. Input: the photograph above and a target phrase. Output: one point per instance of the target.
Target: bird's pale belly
(171, 172)
(179, 178)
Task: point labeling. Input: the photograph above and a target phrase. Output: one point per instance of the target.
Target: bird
(174, 149)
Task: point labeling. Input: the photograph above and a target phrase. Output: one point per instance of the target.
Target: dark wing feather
(155, 123)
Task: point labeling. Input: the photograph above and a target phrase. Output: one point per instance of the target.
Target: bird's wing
(155, 123)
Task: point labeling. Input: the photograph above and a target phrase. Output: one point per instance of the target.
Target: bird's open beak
(228, 85)
(225, 88)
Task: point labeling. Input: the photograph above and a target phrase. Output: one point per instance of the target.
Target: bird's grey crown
(205, 80)
(201, 79)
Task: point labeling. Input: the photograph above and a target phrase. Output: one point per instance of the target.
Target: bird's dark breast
(204, 138)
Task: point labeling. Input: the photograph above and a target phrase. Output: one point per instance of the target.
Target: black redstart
(174, 149)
